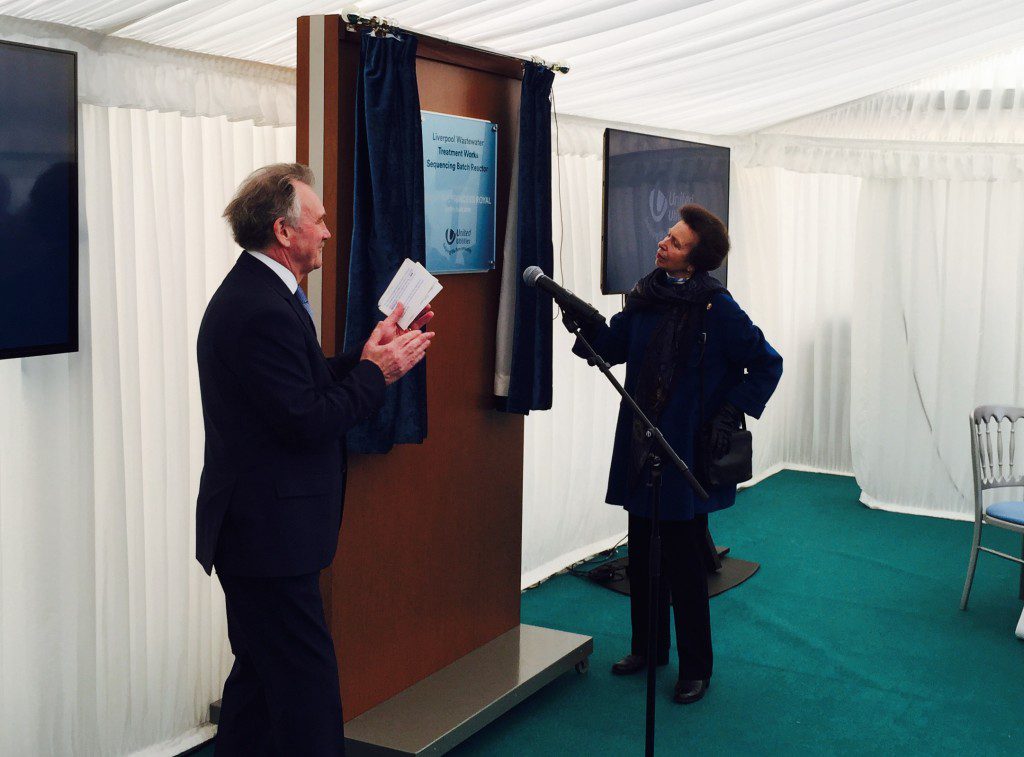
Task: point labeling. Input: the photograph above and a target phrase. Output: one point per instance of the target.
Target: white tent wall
(791, 269)
(932, 225)
(112, 638)
(567, 449)
(937, 330)
(896, 305)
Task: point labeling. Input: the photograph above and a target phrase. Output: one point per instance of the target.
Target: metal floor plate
(439, 712)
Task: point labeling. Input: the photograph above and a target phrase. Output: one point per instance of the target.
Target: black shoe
(632, 663)
(688, 692)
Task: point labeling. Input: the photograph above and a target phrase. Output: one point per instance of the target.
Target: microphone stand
(654, 483)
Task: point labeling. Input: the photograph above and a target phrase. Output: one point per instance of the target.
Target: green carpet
(849, 640)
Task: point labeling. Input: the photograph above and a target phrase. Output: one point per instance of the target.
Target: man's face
(674, 249)
(307, 237)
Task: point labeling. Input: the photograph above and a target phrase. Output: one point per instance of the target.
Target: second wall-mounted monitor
(646, 180)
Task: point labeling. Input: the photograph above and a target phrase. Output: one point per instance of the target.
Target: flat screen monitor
(646, 180)
(38, 201)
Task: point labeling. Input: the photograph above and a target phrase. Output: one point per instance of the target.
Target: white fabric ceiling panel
(712, 66)
(261, 31)
(105, 16)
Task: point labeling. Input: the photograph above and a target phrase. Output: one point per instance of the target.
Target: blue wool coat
(739, 367)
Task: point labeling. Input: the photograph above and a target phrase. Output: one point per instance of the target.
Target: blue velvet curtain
(530, 377)
(387, 221)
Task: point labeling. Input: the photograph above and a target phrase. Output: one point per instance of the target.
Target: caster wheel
(583, 665)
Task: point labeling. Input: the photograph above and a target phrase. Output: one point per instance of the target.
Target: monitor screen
(38, 201)
(646, 180)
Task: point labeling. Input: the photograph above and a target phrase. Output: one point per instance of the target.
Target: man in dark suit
(276, 411)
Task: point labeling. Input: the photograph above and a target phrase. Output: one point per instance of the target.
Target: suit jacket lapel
(301, 311)
(272, 280)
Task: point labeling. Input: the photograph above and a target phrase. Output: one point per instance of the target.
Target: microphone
(573, 306)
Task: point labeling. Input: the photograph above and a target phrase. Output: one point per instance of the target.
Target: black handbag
(736, 465)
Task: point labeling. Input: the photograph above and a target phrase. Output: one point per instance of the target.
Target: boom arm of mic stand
(652, 430)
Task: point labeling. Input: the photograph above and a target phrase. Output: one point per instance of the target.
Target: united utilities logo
(661, 204)
(658, 203)
(457, 244)
(457, 240)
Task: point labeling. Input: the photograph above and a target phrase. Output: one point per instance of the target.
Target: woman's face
(675, 248)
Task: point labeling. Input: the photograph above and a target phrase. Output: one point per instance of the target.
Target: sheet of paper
(414, 287)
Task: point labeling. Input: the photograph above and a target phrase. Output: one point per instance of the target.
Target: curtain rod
(382, 26)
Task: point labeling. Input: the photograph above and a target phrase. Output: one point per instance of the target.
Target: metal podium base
(443, 710)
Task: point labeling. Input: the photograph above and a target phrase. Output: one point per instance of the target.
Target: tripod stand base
(733, 572)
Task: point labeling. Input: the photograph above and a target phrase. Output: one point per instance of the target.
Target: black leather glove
(569, 322)
(726, 421)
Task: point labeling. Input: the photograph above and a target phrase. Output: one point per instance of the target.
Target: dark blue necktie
(305, 303)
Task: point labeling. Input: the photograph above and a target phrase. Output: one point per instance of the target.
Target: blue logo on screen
(659, 204)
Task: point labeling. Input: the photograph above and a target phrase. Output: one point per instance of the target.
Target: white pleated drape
(896, 304)
(111, 636)
(937, 330)
(567, 450)
(791, 269)
(933, 228)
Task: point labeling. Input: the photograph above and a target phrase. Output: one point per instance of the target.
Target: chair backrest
(994, 447)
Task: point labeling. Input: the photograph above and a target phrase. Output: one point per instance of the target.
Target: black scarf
(680, 305)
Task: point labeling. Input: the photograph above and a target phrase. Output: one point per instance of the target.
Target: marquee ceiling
(712, 66)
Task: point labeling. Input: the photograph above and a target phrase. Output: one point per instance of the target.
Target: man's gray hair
(266, 195)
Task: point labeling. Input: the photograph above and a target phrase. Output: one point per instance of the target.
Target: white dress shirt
(286, 276)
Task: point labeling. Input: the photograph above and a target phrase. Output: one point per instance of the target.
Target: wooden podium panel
(428, 564)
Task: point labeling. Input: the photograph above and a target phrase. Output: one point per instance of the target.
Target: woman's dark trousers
(684, 577)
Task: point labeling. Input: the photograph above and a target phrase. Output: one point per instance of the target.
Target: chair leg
(972, 565)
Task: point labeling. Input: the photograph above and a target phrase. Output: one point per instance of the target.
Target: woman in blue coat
(683, 338)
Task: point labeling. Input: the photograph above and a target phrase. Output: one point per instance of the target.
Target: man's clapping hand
(395, 350)
(391, 329)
